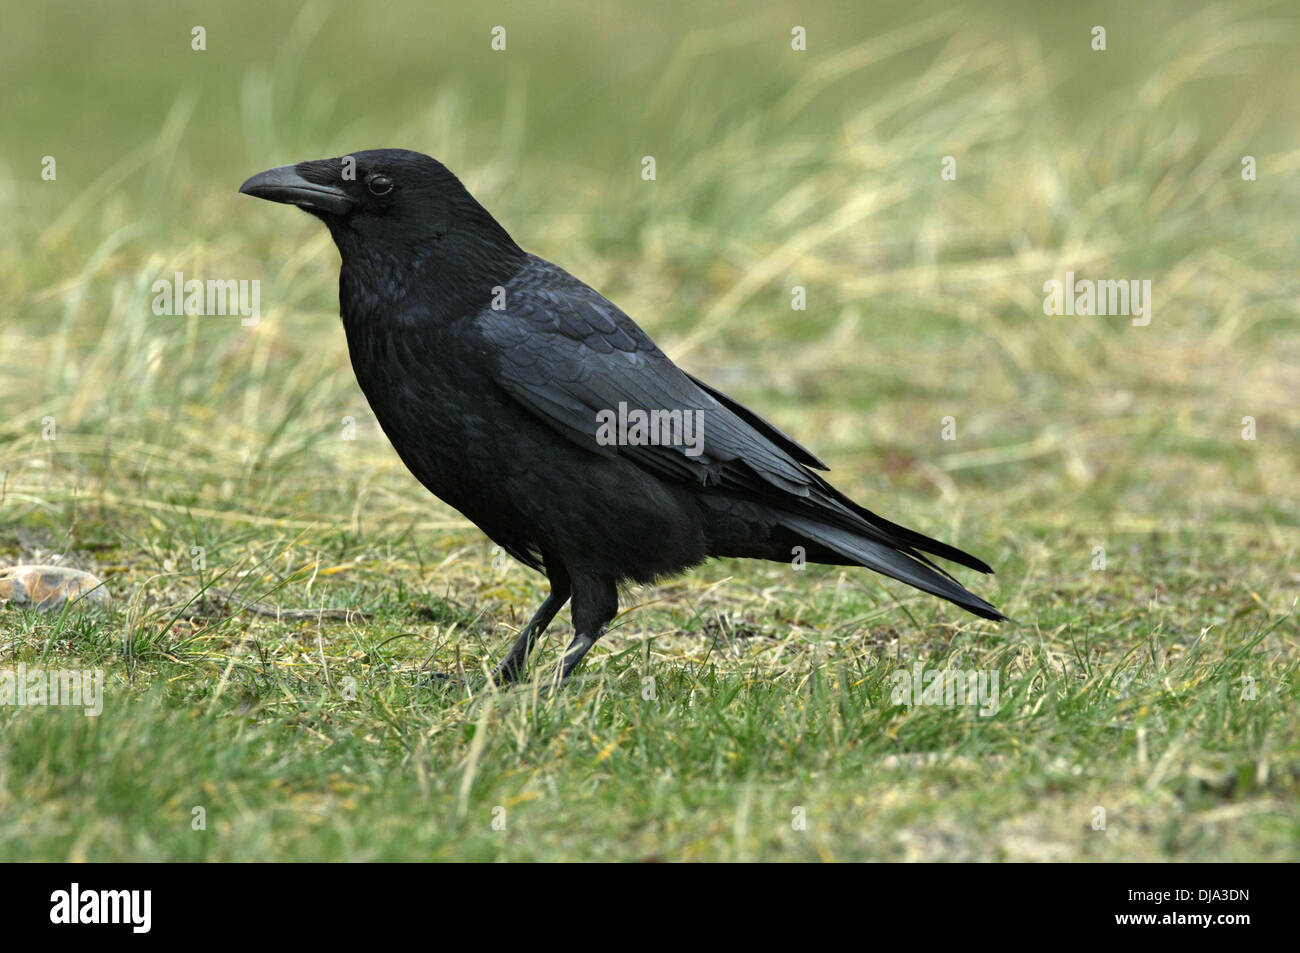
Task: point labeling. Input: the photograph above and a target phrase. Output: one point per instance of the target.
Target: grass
(744, 711)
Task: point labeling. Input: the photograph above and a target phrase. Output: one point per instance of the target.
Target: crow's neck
(434, 280)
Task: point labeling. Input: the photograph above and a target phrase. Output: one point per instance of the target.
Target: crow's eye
(380, 185)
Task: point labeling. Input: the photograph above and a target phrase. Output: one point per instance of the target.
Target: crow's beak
(284, 184)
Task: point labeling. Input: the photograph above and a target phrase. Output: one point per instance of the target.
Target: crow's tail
(898, 562)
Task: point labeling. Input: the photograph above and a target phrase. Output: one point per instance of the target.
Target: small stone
(50, 587)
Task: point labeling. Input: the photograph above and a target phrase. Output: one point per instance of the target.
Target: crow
(526, 400)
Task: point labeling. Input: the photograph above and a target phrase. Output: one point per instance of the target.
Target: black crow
(530, 403)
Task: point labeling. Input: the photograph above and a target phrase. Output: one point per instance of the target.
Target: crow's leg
(512, 666)
(595, 603)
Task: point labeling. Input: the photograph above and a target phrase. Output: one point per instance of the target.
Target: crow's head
(386, 199)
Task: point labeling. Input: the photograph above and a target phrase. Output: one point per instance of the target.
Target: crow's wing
(767, 429)
(566, 353)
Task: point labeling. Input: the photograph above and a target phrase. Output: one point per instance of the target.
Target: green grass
(1161, 688)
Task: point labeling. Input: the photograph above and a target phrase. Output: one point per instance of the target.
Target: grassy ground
(1146, 551)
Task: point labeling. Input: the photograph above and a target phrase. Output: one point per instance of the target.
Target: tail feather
(907, 538)
(898, 563)
(841, 510)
